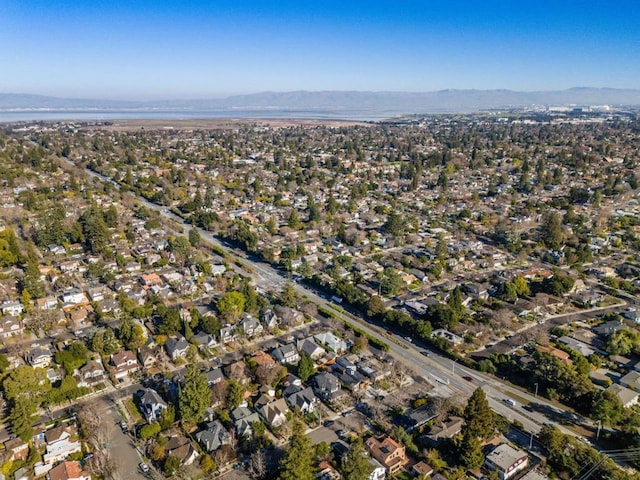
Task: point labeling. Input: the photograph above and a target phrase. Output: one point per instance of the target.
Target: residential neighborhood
(448, 296)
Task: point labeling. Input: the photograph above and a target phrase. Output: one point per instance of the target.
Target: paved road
(438, 370)
(121, 445)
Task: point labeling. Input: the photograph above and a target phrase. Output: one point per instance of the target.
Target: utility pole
(453, 367)
(598, 432)
(535, 395)
(531, 441)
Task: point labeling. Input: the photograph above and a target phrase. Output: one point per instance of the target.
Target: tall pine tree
(297, 463)
(479, 421)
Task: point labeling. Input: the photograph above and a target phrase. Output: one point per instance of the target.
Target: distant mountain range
(343, 102)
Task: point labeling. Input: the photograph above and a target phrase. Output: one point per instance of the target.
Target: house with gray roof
(327, 386)
(301, 398)
(213, 436)
(243, 420)
(151, 404)
(286, 354)
(176, 347)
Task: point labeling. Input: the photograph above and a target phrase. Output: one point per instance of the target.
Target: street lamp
(536, 394)
(453, 367)
(598, 432)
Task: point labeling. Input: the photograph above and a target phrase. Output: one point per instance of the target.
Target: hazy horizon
(158, 50)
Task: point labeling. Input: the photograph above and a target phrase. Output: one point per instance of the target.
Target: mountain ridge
(390, 102)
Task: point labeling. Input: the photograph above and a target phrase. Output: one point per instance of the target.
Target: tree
(193, 398)
(150, 430)
(231, 305)
(521, 286)
(355, 463)
(288, 296)
(394, 224)
(306, 367)
(104, 342)
(26, 381)
(131, 334)
(479, 421)
(171, 465)
(194, 237)
(235, 394)
(31, 280)
(376, 307)
(391, 282)
(297, 463)
(21, 417)
(551, 233)
(607, 408)
(470, 451)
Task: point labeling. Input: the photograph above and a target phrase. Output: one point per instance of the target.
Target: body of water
(12, 116)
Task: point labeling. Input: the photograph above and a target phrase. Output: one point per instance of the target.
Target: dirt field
(213, 124)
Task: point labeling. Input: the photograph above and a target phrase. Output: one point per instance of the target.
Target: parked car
(144, 467)
(123, 426)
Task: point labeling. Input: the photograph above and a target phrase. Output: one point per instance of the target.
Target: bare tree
(104, 465)
(96, 428)
(258, 464)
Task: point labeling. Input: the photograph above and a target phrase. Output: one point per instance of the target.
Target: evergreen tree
(193, 398)
(288, 296)
(297, 463)
(551, 233)
(306, 367)
(470, 449)
(479, 421)
(355, 464)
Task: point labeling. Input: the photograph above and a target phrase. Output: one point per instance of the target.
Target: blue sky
(142, 49)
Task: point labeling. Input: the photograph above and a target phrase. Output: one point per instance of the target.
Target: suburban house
(214, 376)
(91, 374)
(333, 343)
(11, 308)
(151, 404)
(10, 326)
(204, 340)
(68, 471)
(311, 348)
(47, 303)
(263, 359)
(124, 364)
(251, 326)
(176, 347)
(274, 413)
(627, 397)
(631, 380)
(327, 386)
(301, 398)
(228, 333)
(243, 419)
(60, 444)
(182, 449)
(74, 296)
(507, 460)
(39, 357)
(148, 357)
(446, 429)
(388, 452)
(213, 436)
(286, 354)
(269, 319)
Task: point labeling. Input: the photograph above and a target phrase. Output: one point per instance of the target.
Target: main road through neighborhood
(442, 372)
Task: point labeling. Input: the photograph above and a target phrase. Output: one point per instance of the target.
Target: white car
(144, 467)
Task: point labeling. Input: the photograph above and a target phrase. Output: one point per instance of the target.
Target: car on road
(123, 426)
(389, 332)
(408, 339)
(144, 467)
(468, 378)
(425, 353)
(509, 402)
